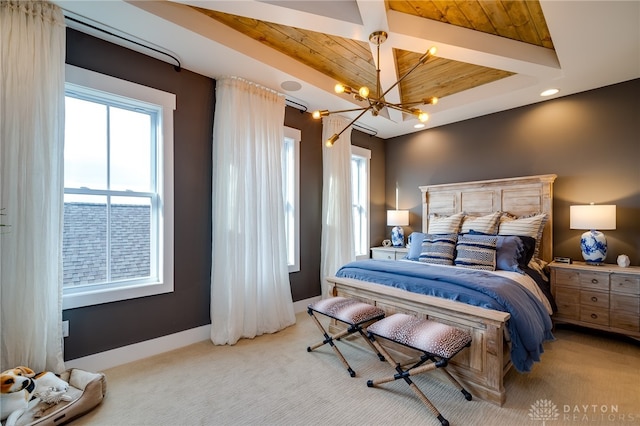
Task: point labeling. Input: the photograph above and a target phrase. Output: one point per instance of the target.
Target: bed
(484, 365)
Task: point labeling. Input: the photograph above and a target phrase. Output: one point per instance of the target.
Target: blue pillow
(438, 249)
(513, 252)
(509, 250)
(415, 245)
(476, 251)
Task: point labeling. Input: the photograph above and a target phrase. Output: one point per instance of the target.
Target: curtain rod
(297, 105)
(178, 67)
(367, 130)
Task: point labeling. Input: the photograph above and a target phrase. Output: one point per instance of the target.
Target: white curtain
(250, 290)
(32, 35)
(338, 246)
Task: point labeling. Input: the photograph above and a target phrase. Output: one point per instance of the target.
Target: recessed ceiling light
(549, 92)
(418, 126)
(291, 86)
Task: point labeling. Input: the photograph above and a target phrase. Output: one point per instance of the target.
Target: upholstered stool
(357, 315)
(437, 342)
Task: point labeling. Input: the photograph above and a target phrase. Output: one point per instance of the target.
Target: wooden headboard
(519, 196)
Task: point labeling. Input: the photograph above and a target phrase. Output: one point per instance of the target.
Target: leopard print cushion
(347, 310)
(425, 335)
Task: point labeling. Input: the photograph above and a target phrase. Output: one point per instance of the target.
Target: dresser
(392, 253)
(605, 297)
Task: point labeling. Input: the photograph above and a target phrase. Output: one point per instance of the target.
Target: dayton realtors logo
(545, 410)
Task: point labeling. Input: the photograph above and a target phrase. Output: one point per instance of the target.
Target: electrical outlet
(65, 328)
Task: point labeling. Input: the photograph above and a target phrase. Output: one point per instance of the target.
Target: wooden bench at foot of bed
(481, 367)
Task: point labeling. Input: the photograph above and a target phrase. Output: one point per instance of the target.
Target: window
(291, 186)
(360, 158)
(118, 190)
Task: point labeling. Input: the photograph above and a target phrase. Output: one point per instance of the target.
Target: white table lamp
(397, 219)
(593, 243)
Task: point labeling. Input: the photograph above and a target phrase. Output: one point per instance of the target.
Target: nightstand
(605, 297)
(392, 253)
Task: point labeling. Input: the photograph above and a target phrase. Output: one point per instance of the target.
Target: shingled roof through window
(85, 243)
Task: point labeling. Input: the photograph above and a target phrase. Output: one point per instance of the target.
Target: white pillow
(487, 224)
(445, 224)
(528, 226)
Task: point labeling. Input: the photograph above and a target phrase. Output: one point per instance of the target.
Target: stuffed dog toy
(20, 385)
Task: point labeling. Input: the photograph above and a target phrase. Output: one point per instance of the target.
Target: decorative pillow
(476, 252)
(438, 249)
(445, 224)
(509, 252)
(415, 245)
(485, 224)
(529, 226)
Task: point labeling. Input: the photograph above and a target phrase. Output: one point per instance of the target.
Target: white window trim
(111, 85)
(366, 154)
(296, 135)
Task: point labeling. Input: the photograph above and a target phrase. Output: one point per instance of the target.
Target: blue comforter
(529, 325)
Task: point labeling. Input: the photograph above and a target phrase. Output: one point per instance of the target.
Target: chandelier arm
(348, 110)
(354, 120)
(422, 60)
(407, 104)
(400, 108)
(378, 85)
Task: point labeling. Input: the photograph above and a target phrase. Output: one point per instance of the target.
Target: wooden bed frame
(483, 366)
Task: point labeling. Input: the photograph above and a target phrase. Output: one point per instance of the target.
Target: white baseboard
(108, 359)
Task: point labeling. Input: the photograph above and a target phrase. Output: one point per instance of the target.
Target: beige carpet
(585, 378)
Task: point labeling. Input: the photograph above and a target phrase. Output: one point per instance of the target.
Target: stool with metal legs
(357, 315)
(436, 342)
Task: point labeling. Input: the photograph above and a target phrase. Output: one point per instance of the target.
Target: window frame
(85, 81)
(364, 155)
(296, 136)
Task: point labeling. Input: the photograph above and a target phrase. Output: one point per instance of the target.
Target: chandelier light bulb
(318, 114)
(329, 143)
(364, 92)
(423, 116)
(339, 88)
(431, 101)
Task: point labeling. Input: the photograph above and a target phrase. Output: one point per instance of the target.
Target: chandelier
(376, 103)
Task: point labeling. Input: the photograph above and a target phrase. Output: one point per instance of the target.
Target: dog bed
(86, 391)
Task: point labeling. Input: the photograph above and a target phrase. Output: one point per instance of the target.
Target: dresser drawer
(625, 321)
(389, 253)
(594, 280)
(629, 284)
(594, 315)
(628, 304)
(594, 299)
(566, 278)
(379, 254)
(568, 302)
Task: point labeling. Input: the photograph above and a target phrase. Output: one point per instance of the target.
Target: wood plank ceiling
(351, 62)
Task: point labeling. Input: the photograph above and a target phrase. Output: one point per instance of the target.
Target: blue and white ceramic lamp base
(594, 247)
(397, 236)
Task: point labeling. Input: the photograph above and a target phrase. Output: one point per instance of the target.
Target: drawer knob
(594, 316)
(594, 299)
(594, 281)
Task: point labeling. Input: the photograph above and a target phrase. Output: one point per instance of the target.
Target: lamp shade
(592, 216)
(397, 217)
